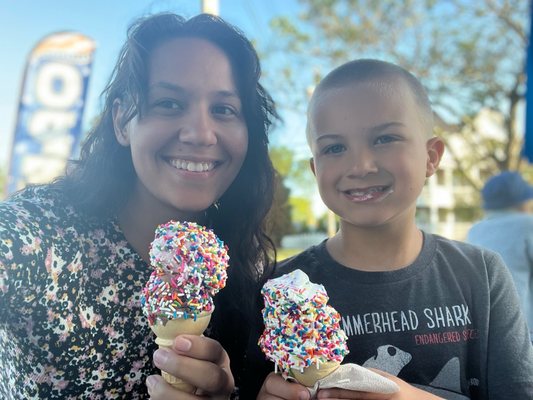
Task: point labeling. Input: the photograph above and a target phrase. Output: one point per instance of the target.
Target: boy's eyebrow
(181, 90)
(374, 129)
(386, 125)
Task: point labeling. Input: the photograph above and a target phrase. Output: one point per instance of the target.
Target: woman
(183, 136)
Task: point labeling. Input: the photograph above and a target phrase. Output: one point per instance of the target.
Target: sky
(24, 22)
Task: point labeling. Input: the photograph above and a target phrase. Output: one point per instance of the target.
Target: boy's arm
(510, 352)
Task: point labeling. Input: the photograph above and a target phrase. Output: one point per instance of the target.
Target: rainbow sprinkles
(190, 264)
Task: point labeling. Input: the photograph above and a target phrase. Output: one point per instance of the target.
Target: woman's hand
(198, 360)
(275, 387)
(406, 392)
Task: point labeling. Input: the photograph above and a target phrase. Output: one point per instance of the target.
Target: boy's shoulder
(303, 260)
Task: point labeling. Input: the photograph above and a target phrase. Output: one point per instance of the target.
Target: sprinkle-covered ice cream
(190, 264)
(301, 329)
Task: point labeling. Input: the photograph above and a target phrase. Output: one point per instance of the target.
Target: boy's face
(371, 152)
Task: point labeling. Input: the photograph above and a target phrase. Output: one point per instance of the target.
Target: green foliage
(279, 218)
(470, 55)
(302, 214)
(292, 209)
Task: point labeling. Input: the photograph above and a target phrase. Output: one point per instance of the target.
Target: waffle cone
(312, 374)
(165, 335)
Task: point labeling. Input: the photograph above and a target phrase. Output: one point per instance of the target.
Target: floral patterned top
(71, 325)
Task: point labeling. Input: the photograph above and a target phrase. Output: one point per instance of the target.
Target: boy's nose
(362, 163)
(198, 129)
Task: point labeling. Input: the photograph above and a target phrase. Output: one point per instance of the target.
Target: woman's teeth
(193, 166)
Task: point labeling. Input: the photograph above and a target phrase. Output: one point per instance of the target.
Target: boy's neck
(376, 249)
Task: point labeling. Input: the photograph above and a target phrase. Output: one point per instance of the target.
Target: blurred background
(471, 57)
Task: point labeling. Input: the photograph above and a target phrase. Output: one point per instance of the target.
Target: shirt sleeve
(21, 255)
(510, 353)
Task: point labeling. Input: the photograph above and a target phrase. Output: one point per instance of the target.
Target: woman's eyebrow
(183, 91)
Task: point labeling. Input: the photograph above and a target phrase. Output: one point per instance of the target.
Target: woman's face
(190, 143)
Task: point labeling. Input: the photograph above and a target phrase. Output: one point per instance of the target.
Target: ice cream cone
(165, 335)
(312, 374)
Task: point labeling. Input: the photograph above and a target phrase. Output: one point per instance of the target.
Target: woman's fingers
(198, 360)
(158, 389)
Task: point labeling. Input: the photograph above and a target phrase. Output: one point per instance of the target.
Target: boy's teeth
(193, 166)
(360, 192)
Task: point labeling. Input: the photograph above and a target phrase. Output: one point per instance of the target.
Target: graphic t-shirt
(71, 325)
(450, 323)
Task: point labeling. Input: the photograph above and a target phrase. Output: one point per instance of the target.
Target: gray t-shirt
(450, 323)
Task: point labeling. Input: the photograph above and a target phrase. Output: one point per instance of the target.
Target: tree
(470, 55)
(279, 218)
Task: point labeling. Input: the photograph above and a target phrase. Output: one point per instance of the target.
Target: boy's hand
(198, 360)
(406, 392)
(276, 388)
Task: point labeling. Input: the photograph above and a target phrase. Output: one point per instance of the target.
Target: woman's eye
(224, 110)
(169, 105)
(334, 149)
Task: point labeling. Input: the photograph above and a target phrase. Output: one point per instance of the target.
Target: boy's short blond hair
(370, 70)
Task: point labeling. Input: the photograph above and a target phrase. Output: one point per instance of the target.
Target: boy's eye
(334, 149)
(385, 139)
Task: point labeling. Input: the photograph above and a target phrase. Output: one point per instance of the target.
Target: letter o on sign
(58, 85)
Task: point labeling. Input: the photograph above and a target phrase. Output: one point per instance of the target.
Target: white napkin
(355, 377)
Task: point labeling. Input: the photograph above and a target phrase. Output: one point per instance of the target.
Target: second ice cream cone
(312, 374)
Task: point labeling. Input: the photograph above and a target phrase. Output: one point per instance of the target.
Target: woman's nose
(198, 128)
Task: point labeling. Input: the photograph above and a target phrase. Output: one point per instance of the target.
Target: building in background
(449, 204)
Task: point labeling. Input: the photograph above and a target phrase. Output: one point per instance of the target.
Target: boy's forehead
(365, 94)
(386, 88)
(362, 105)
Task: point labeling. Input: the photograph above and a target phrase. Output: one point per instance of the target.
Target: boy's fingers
(337, 394)
(275, 387)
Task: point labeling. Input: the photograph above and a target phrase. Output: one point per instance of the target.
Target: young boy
(439, 317)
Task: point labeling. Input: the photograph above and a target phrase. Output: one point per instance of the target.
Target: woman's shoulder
(34, 204)
(43, 211)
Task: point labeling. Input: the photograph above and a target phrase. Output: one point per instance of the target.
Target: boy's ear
(435, 150)
(312, 165)
(121, 131)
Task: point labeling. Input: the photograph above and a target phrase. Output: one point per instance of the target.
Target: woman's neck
(140, 217)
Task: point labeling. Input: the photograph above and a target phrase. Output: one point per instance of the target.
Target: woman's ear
(121, 130)
(435, 150)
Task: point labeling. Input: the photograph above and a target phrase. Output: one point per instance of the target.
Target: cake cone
(168, 332)
(312, 374)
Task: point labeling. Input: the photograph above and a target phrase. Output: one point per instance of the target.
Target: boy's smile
(372, 193)
(371, 151)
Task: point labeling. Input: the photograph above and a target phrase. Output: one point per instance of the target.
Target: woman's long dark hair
(101, 181)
